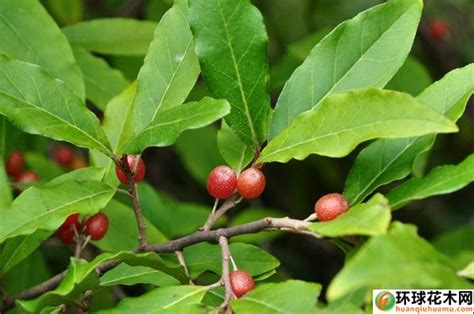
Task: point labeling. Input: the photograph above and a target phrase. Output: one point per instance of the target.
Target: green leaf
(163, 211)
(39, 104)
(382, 261)
(5, 190)
(170, 70)
(82, 276)
(253, 214)
(82, 174)
(102, 82)
(128, 275)
(236, 154)
(123, 231)
(118, 126)
(30, 272)
(199, 162)
(457, 244)
(179, 299)
(166, 127)
(17, 249)
(65, 12)
(231, 43)
(291, 296)
(46, 208)
(411, 78)
(387, 160)
(345, 120)
(46, 168)
(371, 219)
(467, 271)
(207, 257)
(114, 36)
(441, 180)
(365, 51)
(47, 48)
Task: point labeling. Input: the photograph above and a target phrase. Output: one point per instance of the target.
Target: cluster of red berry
(222, 183)
(14, 168)
(95, 227)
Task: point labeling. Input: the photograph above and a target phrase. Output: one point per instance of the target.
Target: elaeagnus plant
(82, 229)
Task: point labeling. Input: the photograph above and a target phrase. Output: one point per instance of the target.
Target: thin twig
(229, 294)
(215, 215)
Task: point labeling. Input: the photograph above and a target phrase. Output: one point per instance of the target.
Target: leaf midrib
(186, 296)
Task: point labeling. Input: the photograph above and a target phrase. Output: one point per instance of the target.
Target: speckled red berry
(64, 155)
(15, 163)
(439, 29)
(66, 231)
(241, 282)
(330, 206)
(97, 226)
(251, 183)
(28, 176)
(221, 182)
(136, 165)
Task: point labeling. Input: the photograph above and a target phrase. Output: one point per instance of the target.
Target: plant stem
(182, 262)
(216, 214)
(229, 295)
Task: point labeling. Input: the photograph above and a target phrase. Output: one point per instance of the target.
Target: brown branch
(214, 216)
(229, 294)
(281, 224)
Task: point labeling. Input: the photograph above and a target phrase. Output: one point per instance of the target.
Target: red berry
(136, 165)
(251, 183)
(28, 176)
(97, 226)
(64, 155)
(66, 231)
(221, 182)
(330, 206)
(439, 29)
(14, 164)
(241, 282)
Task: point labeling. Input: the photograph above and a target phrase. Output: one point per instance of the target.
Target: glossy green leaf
(17, 249)
(163, 300)
(371, 219)
(457, 244)
(236, 153)
(345, 120)
(231, 43)
(47, 48)
(441, 180)
(199, 162)
(39, 104)
(365, 51)
(393, 252)
(115, 36)
(207, 257)
(102, 82)
(127, 275)
(118, 126)
(82, 276)
(82, 174)
(291, 296)
(387, 160)
(411, 78)
(46, 208)
(170, 70)
(122, 234)
(166, 127)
